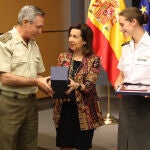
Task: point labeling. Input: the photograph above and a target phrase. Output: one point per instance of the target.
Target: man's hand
(45, 85)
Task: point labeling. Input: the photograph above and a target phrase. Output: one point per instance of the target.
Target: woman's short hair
(87, 36)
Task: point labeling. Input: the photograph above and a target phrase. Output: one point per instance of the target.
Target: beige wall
(53, 40)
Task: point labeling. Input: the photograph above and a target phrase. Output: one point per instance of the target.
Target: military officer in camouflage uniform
(20, 68)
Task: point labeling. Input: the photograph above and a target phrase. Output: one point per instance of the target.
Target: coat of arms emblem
(104, 11)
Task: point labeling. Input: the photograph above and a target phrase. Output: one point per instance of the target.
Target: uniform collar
(16, 35)
(145, 39)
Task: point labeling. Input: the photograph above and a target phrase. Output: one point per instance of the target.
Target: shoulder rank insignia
(125, 43)
(5, 37)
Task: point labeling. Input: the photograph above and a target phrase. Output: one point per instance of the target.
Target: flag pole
(108, 118)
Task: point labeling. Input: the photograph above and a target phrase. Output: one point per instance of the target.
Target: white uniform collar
(145, 39)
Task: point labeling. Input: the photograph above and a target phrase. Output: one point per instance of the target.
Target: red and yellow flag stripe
(103, 20)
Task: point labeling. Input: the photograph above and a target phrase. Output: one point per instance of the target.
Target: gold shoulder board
(5, 37)
(125, 43)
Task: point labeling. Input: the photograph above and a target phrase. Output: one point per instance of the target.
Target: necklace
(74, 67)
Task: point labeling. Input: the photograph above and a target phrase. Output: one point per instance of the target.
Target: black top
(76, 65)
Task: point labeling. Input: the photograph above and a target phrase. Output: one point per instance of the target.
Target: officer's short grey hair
(29, 12)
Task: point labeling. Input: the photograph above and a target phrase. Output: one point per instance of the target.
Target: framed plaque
(134, 89)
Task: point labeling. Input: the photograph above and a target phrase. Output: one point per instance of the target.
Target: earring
(84, 45)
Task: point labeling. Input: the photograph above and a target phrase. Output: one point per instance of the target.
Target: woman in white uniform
(134, 66)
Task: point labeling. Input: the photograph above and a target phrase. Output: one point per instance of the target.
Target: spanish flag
(103, 20)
